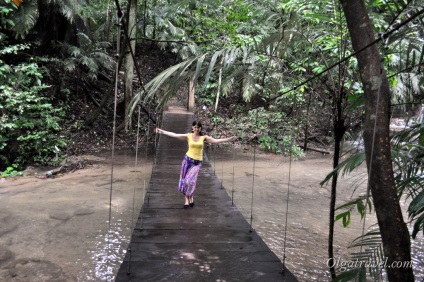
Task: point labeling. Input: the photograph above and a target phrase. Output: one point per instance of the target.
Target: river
(58, 229)
(300, 225)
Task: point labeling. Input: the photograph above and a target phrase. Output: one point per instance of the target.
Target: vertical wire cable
(113, 148)
(156, 139)
(253, 177)
(222, 173)
(133, 203)
(214, 160)
(144, 179)
(253, 185)
(287, 206)
(234, 158)
(147, 146)
(288, 192)
(136, 160)
(147, 138)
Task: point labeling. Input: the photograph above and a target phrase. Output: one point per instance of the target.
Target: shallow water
(58, 229)
(298, 228)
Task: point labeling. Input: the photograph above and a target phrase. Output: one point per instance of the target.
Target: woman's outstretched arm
(221, 140)
(172, 134)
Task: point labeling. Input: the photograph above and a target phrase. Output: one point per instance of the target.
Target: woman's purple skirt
(188, 176)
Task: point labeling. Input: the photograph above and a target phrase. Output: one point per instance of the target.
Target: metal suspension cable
(253, 186)
(287, 207)
(253, 179)
(113, 152)
(232, 189)
(133, 203)
(288, 196)
(222, 172)
(156, 140)
(147, 146)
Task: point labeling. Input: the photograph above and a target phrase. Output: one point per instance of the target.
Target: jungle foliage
(283, 73)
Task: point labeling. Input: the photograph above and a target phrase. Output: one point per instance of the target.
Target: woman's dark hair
(198, 124)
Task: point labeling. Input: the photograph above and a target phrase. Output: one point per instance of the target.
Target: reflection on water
(302, 238)
(417, 246)
(305, 242)
(108, 254)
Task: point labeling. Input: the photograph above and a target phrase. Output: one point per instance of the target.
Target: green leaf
(418, 225)
(361, 208)
(345, 216)
(212, 65)
(356, 274)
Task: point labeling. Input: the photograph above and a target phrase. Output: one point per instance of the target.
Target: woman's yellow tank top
(195, 149)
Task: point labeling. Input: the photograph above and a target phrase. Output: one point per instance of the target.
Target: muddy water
(261, 183)
(58, 229)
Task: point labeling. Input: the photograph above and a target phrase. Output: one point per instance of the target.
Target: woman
(193, 159)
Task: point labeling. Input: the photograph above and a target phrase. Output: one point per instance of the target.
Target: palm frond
(167, 82)
(416, 211)
(69, 8)
(74, 51)
(408, 159)
(69, 65)
(346, 167)
(369, 259)
(212, 64)
(248, 87)
(356, 274)
(170, 80)
(88, 55)
(25, 18)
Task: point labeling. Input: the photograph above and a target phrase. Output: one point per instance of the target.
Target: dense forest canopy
(286, 75)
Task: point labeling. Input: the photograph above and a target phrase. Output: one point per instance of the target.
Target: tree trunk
(144, 18)
(95, 114)
(129, 62)
(107, 23)
(339, 131)
(306, 128)
(394, 232)
(52, 25)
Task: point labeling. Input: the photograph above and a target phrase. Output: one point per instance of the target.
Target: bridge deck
(209, 242)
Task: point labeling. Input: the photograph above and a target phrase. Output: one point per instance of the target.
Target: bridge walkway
(208, 242)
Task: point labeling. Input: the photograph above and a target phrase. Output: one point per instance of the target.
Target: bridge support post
(190, 100)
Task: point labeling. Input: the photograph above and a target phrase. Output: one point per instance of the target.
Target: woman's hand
(221, 140)
(171, 134)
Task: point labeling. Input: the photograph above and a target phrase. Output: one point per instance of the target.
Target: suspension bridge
(211, 241)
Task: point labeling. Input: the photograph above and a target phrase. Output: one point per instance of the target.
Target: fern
(408, 154)
(25, 18)
(369, 260)
(416, 211)
(90, 56)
